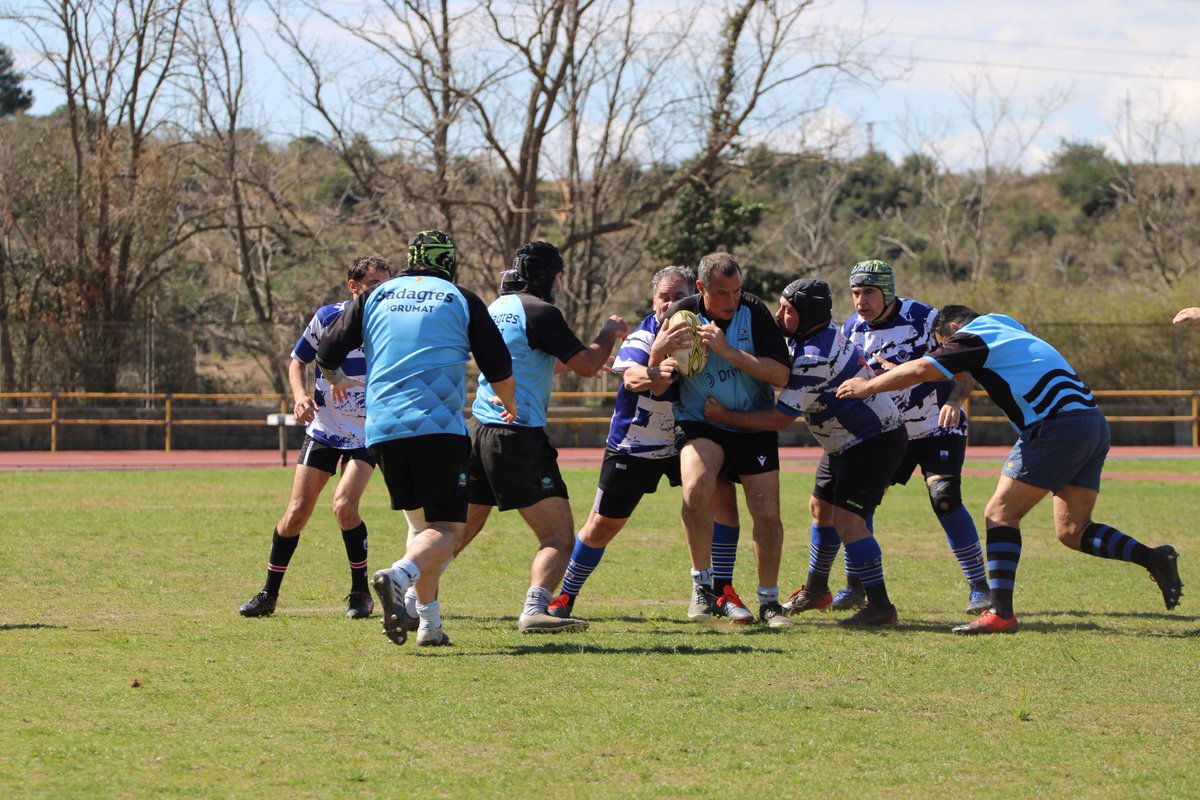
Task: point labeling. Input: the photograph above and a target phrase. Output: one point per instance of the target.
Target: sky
(1100, 71)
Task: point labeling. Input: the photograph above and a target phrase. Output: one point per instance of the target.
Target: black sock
(1105, 541)
(877, 595)
(282, 548)
(355, 540)
(1003, 553)
(817, 584)
(719, 585)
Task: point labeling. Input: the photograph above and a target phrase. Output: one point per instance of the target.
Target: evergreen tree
(12, 97)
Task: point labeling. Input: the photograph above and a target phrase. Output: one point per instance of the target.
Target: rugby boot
(730, 606)
(703, 604)
(391, 601)
(804, 600)
(261, 605)
(432, 637)
(980, 598)
(359, 605)
(773, 616)
(988, 622)
(547, 623)
(561, 606)
(1164, 570)
(871, 616)
(846, 598)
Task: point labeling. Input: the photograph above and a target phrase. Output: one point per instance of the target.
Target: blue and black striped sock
(823, 547)
(964, 543)
(1105, 541)
(1004, 553)
(584, 559)
(724, 554)
(867, 560)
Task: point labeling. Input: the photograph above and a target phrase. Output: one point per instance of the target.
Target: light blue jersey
(733, 387)
(538, 338)
(415, 330)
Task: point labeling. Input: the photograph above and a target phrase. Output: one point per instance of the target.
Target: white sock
(430, 614)
(768, 595)
(537, 599)
(702, 577)
(405, 573)
(410, 601)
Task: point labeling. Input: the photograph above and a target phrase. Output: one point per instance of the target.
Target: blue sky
(1102, 71)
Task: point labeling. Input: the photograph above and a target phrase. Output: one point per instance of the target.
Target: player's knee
(945, 495)
(346, 513)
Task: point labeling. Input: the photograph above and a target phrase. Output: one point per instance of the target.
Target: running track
(793, 459)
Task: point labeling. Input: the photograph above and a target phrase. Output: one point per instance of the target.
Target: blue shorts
(1065, 450)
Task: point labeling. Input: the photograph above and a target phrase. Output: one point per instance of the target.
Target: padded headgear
(812, 300)
(533, 269)
(434, 251)
(875, 273)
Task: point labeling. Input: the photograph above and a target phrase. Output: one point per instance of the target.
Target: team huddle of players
(881, 393)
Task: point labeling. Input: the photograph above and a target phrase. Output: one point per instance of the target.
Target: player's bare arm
(304, 407)
(950, 413)
(656, 379)
(1187, 315)
(765, 369)
(590, 361)
(901, 377)
(506, 396)
(764, 419)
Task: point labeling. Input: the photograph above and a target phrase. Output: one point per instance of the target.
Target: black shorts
(427, 472)
(935, 455)
(624, 479)
(746, 452)
(325, 458)
(512, 466)
(856, 479)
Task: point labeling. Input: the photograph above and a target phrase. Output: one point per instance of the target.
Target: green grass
(112, 579)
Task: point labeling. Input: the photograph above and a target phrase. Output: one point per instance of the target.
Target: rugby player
(893, 330)
(864, 442)
(334, 434)
(1061, 447)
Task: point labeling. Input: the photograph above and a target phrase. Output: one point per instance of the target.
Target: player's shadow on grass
(1166, 616)
(27, 626)
(573, 647)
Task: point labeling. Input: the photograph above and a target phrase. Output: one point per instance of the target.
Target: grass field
(127, 672)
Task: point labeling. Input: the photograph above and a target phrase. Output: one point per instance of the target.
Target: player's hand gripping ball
(691, 359)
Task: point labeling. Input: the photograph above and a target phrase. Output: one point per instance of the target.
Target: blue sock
(964, 543)
(1004, 553)
(823, 549)
(1105, 541)
(867, 560)
(583, 560)
(724, 553)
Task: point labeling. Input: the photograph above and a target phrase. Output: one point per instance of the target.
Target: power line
(1035, 45)
(1043, 68)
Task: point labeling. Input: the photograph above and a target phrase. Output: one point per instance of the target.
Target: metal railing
(169, 417)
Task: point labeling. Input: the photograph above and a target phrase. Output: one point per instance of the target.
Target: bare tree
(115, 62)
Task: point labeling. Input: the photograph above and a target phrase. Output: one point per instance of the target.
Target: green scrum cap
(875, 273)
(432, 250)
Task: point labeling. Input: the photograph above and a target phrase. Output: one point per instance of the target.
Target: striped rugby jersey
(1027, 378)
(643, 424)
(820, 364)
(906, 334)
(338, 425)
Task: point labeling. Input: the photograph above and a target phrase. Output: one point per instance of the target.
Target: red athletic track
(793, 459)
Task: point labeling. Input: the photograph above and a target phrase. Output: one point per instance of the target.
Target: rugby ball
(690, 359)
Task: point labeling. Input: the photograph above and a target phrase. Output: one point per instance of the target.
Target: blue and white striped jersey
(820, 364)
(339, 425)
(905, 335)
(1027, 378)
(643, 424)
